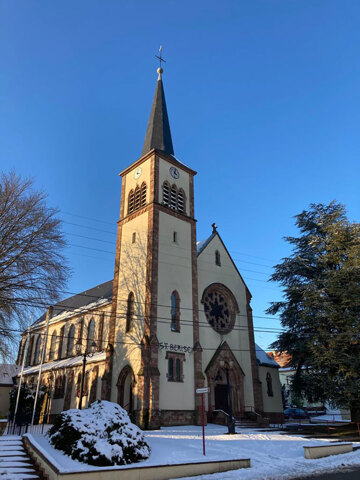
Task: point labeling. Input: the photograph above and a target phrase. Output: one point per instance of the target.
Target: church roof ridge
(158, 134)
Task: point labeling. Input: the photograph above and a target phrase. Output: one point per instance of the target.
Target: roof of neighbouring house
(282, 358)
(7, 372)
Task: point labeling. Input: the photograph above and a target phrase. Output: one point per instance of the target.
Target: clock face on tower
(174, 172)
(137, 173)
(219, 308)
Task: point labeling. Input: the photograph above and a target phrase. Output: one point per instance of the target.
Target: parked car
(296, 413)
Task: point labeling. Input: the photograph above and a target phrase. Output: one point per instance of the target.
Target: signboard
(202, 390)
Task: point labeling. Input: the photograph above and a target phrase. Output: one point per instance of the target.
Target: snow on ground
(329, 418)
(273, 455)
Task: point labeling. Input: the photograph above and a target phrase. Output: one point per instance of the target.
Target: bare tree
(32, 267)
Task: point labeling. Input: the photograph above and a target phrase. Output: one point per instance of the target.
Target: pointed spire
(158, 134)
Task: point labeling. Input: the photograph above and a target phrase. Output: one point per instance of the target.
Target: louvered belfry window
(173, 198)
(131, 201)
(143, 194)
(181, 201)
(137, 198)
(166, 193)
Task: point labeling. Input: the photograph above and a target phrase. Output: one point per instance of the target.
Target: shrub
(26, 403)
(99, 435)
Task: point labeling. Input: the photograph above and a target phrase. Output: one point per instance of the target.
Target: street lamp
(87, 353)
(227, 366)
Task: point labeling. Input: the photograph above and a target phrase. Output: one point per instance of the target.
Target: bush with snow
(99, 435)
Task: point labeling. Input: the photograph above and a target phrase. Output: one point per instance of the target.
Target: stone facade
(178, 315)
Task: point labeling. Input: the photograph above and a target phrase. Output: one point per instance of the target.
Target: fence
(21, 426)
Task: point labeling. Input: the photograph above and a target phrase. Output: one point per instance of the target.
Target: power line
(124, 301)
(88, 218)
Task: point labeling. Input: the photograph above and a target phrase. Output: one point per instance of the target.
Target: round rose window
(219, 308)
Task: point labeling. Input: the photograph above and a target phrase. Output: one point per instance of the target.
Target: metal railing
(22, 426)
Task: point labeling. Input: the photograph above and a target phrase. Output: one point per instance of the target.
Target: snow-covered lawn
(273, 455)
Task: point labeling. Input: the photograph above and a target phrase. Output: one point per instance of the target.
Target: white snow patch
(272, 454)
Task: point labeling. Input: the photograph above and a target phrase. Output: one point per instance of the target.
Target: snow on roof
(204, 243)
(264, 359)
(65, 363)
(7, 372)
(92, 298)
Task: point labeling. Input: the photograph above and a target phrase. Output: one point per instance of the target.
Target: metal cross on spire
(160, 70)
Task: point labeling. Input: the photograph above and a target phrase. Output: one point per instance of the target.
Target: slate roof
(158, 134)
(87, 297)
(204, 243)
(7, 372)
(264, 359)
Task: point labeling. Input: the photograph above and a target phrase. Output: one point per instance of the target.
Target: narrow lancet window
(217, 258)
(91, 333)
(175, 312)
(130, 312)
(70, 344)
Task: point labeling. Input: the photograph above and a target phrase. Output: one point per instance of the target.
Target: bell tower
(156, 262)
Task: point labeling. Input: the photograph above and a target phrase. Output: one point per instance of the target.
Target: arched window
(217, 258)
(269, 385)
(91, 333)
(61, 342)
(131, 200)
(37, 350)
(52, 345)
(173, 197)
(181, 201)
(130, 311)
(137, 198)
(175, 312)
(71, 340)
(60, 386)
(80, 329)
(143, 194)
(171, 369)
(100, 333)
(166, 193)
(30, 350)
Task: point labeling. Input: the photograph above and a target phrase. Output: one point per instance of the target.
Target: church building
(176, 316)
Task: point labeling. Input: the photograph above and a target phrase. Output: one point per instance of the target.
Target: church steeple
(158, 134)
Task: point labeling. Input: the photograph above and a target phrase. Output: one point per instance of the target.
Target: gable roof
(200, 247)
(86, 298)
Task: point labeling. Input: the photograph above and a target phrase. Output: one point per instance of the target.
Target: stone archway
(125, 386)
(217, 382)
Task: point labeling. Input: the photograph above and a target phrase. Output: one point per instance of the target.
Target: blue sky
(263, 100)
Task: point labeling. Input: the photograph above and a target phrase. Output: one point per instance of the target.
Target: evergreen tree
(320, 312)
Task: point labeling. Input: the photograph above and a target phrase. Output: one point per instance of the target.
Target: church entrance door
(125, 389)
(221, 398)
